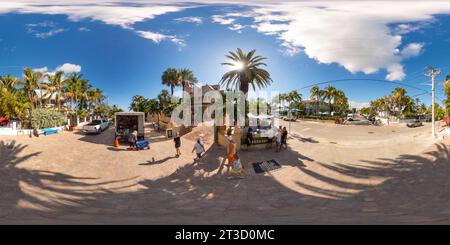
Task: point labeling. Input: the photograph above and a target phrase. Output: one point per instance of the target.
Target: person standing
(132, 138)
(177, 141)
(231, 150)
(199, 149)
(249, 138)
(284, 135)
(278, 140)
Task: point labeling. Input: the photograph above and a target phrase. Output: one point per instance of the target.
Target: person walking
(199, 149)
(237, 170)
(177, 141)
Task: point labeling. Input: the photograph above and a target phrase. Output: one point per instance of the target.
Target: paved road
(324, 178)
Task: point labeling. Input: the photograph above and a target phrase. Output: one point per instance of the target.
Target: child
(237, 171)
(199, 149)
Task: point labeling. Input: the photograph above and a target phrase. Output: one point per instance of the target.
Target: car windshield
(96, 122)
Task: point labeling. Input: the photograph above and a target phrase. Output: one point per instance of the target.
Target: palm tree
(316, 95)
(329, 94)
(137, 103)
(31, 84)
(294, 96)
(447, 93)
(55, 86)
(246, 71)
(8, 83)
(164, 101)
(170, 78)
(340, 101)
(153, 107)
(185, 77)
(76, 89)
(95, 96)
(12, 104)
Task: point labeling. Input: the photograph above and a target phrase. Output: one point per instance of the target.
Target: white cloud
(44, 29)
(361, 36)
(158, 37)
(191, 19)
(236, 27)
(155, 37)
(222, 19)
(84, 29)
(111, 12)
(413, 49)
(68, 68)
(42, 69)
(356, 35)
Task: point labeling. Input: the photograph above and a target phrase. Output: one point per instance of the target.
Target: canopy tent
(446, 120)
(3, 119)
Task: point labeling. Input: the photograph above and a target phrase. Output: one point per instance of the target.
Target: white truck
(96, 126)
(127, 122)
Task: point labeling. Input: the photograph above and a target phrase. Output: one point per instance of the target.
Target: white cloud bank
(354, 34)
(111, 12)
(357, 35)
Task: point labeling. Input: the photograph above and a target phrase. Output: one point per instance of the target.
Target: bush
(43, 118)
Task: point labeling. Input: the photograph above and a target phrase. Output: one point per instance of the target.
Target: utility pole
(432, 73)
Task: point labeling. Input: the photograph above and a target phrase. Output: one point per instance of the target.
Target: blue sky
(124, 48)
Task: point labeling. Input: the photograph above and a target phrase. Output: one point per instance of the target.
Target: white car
(96, 126)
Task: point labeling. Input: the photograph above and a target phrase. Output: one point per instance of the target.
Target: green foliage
(439, 112)
(44, 118)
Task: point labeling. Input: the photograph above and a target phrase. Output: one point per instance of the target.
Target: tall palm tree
(154, 108)
(137, 103)
(329, 94)
(340, 101)
(31, 84)
(294, 96)
(170, 77)
(185, 77)
(95, 96)
(316, 95)
(56, 83)
(246, 71)
(74, 88)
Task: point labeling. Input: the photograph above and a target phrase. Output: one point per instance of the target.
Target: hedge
(44, 118)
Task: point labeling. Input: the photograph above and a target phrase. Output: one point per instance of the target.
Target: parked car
(350, 117)
(415, 124)
(96, 126)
